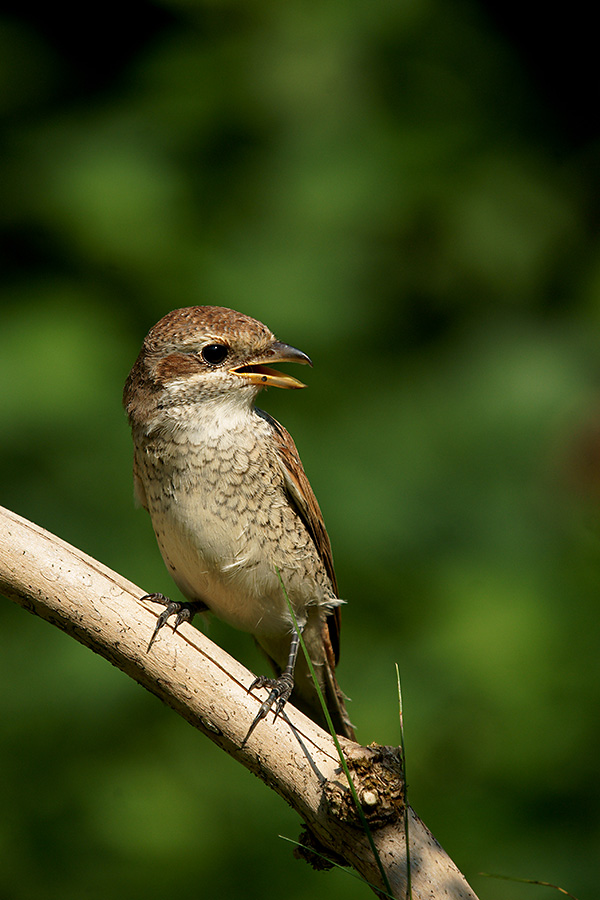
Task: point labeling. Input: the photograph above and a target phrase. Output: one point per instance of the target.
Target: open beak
(263, 376)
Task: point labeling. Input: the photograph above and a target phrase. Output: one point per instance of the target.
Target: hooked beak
(263, 376)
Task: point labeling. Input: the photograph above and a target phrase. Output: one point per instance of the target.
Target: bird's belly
(226, 528)
(231, 567)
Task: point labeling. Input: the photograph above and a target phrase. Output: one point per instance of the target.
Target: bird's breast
(224, 526)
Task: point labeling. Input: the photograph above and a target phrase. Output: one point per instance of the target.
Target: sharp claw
(154, 633)
(184, 615)
(159, 624)
(156, 598)
(183, 611)
(281, 688)
(279, 708)
(264, 709)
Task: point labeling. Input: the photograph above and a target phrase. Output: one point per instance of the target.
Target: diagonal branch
(207, 687)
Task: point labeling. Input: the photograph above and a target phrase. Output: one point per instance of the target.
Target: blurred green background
(408, 191)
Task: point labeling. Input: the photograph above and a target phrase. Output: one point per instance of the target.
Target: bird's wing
(139, 491)
(303, 499)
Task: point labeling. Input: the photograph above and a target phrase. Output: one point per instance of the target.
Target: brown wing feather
(139, 491)
(303, 498)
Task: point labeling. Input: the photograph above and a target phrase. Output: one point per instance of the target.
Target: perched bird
(232, 509)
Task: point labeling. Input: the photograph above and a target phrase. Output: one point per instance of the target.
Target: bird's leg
(184, 612)
(281, 688)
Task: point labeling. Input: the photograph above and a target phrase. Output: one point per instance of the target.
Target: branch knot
(378, 776)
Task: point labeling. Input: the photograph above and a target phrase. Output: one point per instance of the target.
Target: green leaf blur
(386, 186)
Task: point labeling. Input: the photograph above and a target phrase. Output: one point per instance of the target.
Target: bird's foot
(184, 612)
(281, 689)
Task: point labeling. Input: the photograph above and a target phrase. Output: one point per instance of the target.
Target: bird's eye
(214, 354)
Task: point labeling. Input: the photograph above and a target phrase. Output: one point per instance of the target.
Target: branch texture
(207, 687)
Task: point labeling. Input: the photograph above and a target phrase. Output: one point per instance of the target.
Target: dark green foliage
(386, 186)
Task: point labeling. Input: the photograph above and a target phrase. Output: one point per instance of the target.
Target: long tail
(336, 705)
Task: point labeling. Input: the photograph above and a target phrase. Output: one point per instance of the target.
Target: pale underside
(216, 492)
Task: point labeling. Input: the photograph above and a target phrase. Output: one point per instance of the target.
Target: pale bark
(207, 687)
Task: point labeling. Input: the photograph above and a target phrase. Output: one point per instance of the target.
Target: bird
(236, 520)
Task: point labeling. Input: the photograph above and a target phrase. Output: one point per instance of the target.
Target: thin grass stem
(343, 762)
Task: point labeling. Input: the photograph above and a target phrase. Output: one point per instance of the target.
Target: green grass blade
(530, 881)
(343, 869)
(343, 762)
(402, 748)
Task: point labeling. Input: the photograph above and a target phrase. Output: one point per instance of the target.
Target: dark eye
(214, 354)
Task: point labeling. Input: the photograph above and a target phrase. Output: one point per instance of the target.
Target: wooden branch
(207, 687)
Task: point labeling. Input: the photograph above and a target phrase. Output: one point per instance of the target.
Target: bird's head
(203, 352)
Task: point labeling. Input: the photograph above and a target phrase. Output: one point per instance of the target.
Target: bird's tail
(335, 700)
